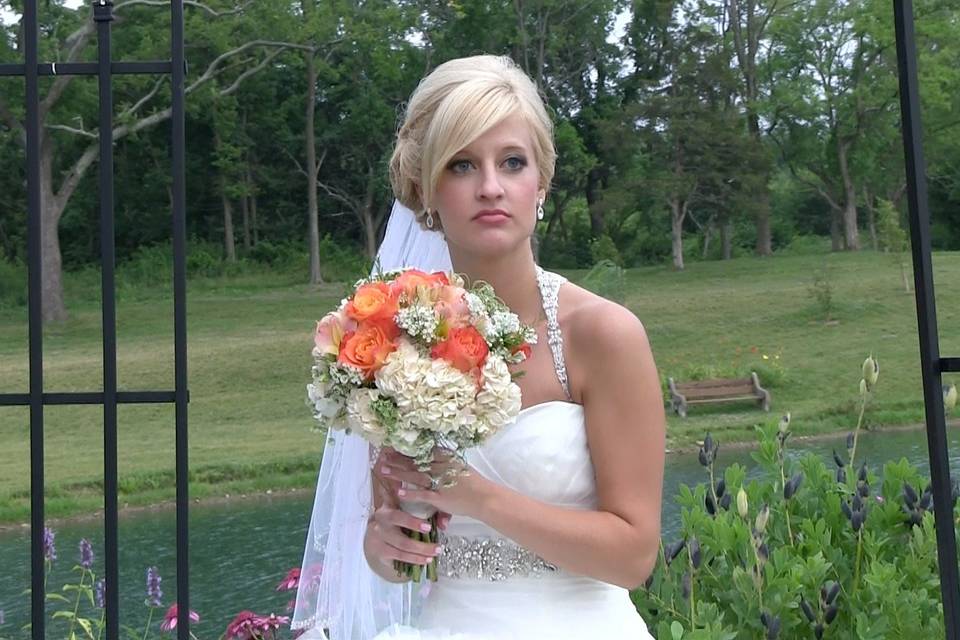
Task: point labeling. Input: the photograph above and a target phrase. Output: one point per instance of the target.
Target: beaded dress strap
(549, 284)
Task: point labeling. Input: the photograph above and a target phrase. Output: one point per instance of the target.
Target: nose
(490, 187)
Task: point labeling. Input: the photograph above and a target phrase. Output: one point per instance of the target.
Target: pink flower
(271, 622)
(170, 620)
(452, 307)
(330, 332)
(291, 581)
(242, 627)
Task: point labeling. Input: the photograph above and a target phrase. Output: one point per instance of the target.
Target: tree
(68, 149)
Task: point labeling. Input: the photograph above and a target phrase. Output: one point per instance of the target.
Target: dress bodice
(543, 453)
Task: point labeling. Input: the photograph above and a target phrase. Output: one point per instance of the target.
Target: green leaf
(676, 630)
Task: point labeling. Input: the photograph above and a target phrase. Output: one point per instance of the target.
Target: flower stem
(856, 431)
(76, 605)
(146, 629)
(856, 570)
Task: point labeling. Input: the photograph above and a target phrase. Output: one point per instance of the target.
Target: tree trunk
(726, 238)
(707, 234)
(245, 210)
(229, 248)
(836, 241)
(313, 214)
(871, 218)
(51, 261)
(593, 196)
(747, 34)
(253, 219)
(678, 210)
(368, 217)
(850, 232)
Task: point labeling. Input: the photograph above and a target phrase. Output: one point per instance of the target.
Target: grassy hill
(249, 341)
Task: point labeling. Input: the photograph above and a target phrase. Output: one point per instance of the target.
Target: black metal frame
(110, 397)
(932, 364)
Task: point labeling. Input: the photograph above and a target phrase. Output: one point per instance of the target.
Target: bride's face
(487, 194)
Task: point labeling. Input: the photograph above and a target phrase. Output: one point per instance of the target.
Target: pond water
(240, 549)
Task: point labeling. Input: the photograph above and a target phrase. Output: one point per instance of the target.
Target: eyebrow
(511, 146)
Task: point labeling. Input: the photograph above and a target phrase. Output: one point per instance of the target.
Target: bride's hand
(386, 541)
(391, 469)
(464, 497)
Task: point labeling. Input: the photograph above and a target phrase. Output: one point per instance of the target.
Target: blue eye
(459, 166)
(517, 162)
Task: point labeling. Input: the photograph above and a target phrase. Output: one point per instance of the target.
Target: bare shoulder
(597, 326)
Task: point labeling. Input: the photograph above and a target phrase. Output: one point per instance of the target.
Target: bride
(559, 513)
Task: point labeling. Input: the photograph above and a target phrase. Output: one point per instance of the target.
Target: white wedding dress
(543, 454)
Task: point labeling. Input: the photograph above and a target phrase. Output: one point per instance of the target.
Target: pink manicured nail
(425, 526)
(385, 470)
(401, 492)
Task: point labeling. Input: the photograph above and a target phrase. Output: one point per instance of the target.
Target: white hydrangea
(362, 419)
(504, 322)
(430, 394)
(498, 402)
(420, 321)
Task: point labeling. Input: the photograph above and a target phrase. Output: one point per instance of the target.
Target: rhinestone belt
(488, 559)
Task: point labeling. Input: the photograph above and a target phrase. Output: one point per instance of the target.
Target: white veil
(340, 597)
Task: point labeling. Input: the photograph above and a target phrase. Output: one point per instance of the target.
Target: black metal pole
(31, 40)
(103, 16)
(178, 153)
(927, 315)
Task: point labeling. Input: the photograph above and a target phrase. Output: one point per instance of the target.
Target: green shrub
(13, 284)
(810, 549)
(603, 249)
(606, 279)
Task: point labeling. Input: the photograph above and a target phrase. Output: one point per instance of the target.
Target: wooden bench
(717, 390)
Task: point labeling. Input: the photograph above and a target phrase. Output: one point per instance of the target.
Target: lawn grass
(249, 341)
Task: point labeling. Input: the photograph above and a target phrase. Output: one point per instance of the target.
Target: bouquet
(418, 362)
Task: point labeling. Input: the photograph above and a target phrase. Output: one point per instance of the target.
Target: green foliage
(603, 249)
(815, 549)
(13, 284)
(821, 291)
(606, 279)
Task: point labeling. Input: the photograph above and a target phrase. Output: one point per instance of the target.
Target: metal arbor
(37, 398)
(932, 364)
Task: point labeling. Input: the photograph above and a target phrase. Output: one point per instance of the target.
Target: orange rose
(372, 301)
(408, 281)
(367, 348)
(465, 349)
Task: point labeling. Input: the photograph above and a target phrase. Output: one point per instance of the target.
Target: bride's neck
(513, 277)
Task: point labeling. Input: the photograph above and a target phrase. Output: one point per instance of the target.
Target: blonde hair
(453, 106)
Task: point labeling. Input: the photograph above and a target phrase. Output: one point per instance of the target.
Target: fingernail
(385, 470)
(401, 492)
(438, 550)
(425, 526)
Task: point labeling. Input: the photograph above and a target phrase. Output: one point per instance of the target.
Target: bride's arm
(623, 403)
(626, 424)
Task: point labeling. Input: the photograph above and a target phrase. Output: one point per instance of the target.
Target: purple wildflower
(154, 594)
(49, 550)
(86, 553)
(99, 589)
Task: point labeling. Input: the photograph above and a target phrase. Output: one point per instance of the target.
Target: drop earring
(429, 219)
(540, 209)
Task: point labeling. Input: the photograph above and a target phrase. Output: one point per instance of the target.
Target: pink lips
(491, 215)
